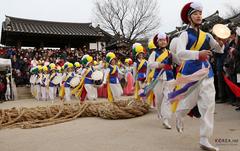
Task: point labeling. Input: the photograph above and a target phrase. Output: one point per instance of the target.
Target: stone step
(23, 89)
(24, 93)
(24, 97)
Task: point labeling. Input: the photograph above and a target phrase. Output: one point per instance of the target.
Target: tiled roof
(214, 18)
(235, 19)
(13, 24)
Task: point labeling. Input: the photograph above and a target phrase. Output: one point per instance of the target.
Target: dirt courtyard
(144, 133)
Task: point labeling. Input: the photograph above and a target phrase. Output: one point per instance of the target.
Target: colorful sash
(114, 69)
(150, 98)
(195, 47)
(151, 85)
(109, 92)
(137, 86)
(163, 56)
(80, 88)
(52, 76)
(141, 64)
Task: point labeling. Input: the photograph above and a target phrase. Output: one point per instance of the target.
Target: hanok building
(234, 20)
(209, 22)
(20, 32)
(119, 45)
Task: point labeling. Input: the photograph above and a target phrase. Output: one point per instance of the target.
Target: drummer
(44, 83)
(8, 90)
(139, 69)
(67, 79)
(91, 91)
(63, 73)
(111, 78)
(150, 74)
(102, 90)
(52, 86)
(59, 72)
(38, 83)
(194, 47)
(33, 78)
(129, 86)
(160, 60)
(78, 68)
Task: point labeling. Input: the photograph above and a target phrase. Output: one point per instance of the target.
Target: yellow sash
(195, 47)
(109, 92)
(68, 76)
(62, 92)
(136, 92)
(78, 90)
(201, 38)
(150, 98)
(137, 87)
(114, 69)
(50, 79)
(160, 58)
(141, 64)
(163, 56)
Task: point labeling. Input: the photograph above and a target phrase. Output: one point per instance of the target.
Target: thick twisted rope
(44, 116)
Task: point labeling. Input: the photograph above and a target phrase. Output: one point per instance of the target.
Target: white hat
(161, 36)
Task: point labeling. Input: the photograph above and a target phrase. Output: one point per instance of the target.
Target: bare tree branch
(232, 10)
(131, 18)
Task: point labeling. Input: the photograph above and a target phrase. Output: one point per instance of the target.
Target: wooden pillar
(42, 45)
(18, 45)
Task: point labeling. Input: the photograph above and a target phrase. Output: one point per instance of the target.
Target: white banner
(93, 46)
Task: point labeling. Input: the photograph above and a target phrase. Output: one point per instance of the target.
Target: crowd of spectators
(227, 64)
(24, 59)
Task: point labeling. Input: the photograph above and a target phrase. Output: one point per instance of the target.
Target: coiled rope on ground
(44, 116)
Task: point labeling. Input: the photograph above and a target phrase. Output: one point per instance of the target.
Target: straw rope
(44, 116)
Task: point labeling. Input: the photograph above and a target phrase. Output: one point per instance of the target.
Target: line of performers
(85, 80)
(150, 80)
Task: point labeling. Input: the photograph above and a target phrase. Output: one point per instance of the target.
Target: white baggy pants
(67, 93)
(38, 95)
(116, 90)
(91, 91)
(8, 93)
(44, 93)
(163, 106)
(52, 93)
(204, 97)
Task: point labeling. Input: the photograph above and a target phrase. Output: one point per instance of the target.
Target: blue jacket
(191, 66)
